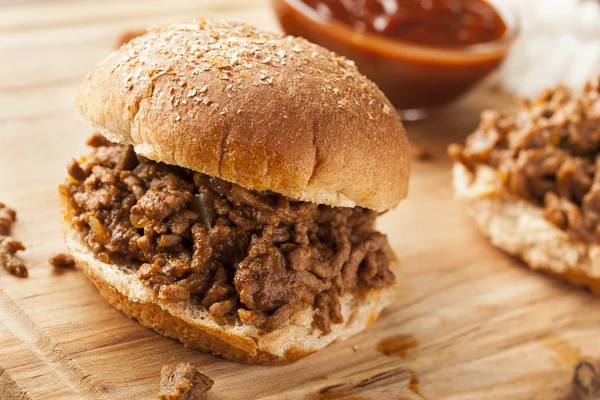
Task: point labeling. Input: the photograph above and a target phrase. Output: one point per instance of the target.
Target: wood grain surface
(485, 327)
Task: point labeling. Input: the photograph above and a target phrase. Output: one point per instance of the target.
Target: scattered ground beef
(548, 153)
(8, 250)
(97, 140)
(62, 260)
(183, 382)
(7, 217)
(9, 246)
(244, 255)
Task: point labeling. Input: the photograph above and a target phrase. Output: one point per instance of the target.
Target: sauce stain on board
(565, 352)
(397, 345)
(413, 384)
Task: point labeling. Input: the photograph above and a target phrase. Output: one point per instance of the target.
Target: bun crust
(191, 324)
(519, 228)
(258, 109)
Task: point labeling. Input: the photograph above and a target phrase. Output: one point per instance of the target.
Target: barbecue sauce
(438, 23)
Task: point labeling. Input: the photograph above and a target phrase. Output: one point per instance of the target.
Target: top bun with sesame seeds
(254, 108)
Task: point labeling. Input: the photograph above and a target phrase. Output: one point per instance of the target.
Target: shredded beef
(184, 382)
(62, 260)
(7, 217)
(254, 256)
(548, 153)
(8, 259)
(97, 140)
(9, 246)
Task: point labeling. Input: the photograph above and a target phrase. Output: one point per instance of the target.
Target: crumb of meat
(8, 259)
(98, 140)
(128, 36)
(7, 217)
(184, 382)
(419, 152)
(75, 171)
(8, 245)
(62, 260)
(246, 256)
(547, 152)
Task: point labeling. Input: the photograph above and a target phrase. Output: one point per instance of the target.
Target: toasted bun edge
(519, 228)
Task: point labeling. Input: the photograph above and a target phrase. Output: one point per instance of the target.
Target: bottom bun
(192, 325)
(519, 228)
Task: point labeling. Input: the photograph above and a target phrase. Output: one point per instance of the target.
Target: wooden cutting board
(485, 327)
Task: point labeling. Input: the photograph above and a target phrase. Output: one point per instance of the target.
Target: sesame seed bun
(258, 109)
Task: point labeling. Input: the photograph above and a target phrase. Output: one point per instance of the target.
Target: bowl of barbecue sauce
(422, 53)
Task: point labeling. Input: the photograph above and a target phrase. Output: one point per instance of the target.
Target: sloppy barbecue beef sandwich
(256, 256)
(230, 200)
(548, 153)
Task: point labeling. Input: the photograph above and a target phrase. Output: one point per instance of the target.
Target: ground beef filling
(548, 153)
(255, 256)
(184, 382)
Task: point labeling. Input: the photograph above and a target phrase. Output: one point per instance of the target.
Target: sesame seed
(240, 56)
